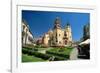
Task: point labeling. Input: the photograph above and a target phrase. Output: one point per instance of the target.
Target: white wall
(5, 34)
(80, 2)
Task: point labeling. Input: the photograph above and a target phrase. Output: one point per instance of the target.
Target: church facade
(58, 36)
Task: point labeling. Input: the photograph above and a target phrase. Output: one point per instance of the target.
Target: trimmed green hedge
(41, 55)
(57, 54)
(37, 54)
(62, 52)
(27, 48)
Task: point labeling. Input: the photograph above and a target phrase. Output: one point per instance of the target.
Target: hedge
(37, 54)
(61, 52)
(41, 55)
(57, 54)
(27, 48)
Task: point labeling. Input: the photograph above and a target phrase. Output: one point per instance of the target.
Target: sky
(41, 22)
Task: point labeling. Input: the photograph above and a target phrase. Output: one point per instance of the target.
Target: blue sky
(41, 21)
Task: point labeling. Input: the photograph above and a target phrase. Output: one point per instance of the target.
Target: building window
(65, 42)
(23, 27)
(56, 40)
(59, 42)
(65, 33)
(30, 39)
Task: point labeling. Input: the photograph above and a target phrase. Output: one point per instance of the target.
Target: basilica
(58, 36)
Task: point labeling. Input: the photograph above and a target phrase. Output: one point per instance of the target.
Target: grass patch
(27, 58)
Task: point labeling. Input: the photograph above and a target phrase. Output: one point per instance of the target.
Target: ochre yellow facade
(58, 37)
(46, 39)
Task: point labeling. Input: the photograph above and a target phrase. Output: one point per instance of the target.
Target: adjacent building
(27, 37)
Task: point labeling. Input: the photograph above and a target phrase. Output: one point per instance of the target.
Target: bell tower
(57, 23)
(57, 33)
(68, 34)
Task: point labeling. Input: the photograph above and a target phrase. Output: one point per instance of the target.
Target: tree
(86, 32)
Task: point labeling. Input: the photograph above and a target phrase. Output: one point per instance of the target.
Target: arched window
(65, 33)
(59, 34)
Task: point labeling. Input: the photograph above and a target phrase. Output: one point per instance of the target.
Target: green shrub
(27, 48)
(61, 52)
(37, 54)
(59, 58)
(25, 51)
(57, 54)
(35, 49)
(38, 46)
